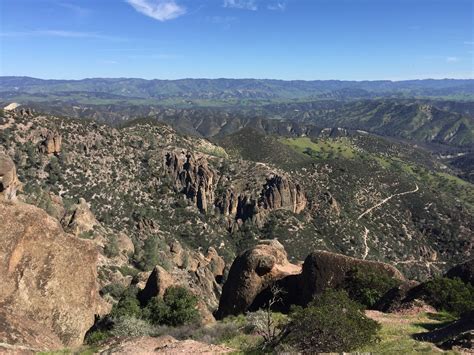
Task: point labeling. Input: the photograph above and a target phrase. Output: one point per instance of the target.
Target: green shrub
(111, 249)
(177, 307)
(115, 290)
(127, 306)
(331, 323)
(367, 286)
(450, 295)
(96, 337)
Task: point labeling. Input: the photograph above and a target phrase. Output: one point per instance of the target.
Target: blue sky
(281, 39)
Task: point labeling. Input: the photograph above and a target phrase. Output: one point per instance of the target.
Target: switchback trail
(366, 232)
(386, 200)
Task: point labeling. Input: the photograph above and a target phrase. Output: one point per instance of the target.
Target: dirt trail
(367, 249)
(367, 231)
(386, 200)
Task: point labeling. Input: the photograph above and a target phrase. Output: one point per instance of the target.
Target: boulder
(323, 269)
(464, 271)
(394, 299)
(252, 272)
(48, 281)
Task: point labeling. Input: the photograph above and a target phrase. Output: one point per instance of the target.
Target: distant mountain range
(238, 89)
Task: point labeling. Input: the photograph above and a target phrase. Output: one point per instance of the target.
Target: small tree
(263, 321)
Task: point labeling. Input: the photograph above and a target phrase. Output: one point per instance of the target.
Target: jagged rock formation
(251, 273)
(256, 270)
(9, 183)
(193, 176)
(201, 274)
(51, 143)
(48, 282)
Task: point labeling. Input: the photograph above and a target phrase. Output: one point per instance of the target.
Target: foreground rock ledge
(48, 290)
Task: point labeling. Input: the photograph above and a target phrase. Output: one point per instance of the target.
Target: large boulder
(464, 271)
(252, 272)
(323, 270)
(48, 288)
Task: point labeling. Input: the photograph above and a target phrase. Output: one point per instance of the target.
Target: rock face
(464, 271)
(48, 290)
(254, 272)
(251, 273)
(9, 183)
(52, 143)
(193, 176)
(280, 193)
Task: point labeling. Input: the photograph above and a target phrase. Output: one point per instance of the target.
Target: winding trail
(386, 200)
(367, 249)
(366, 232)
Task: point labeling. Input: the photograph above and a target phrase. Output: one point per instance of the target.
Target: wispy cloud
(469, 43)
(161, 10)
(452, 59)
(277, 6)
(241, 4)
(60, 33)
(77, 10)
(108, 62)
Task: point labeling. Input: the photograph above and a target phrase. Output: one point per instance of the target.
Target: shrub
(111, 249)
(127, 306)
(132, 327)
(450, 295)
(177, 307)
(116, 290)
(330, 323)
(367, 286)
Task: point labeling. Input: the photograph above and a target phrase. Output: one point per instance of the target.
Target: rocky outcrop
(200, 273)
(9, 183)
(48, 287)
(280, 193)
(255, 271)
(51, 143)
(193, 177)
(464, 271)
(79, 219)
(252, 272)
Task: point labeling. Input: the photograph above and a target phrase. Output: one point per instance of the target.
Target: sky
(275, 39)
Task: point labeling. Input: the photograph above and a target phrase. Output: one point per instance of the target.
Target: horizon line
(241, 78)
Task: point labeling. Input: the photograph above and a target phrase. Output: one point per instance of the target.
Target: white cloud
(241, 4)
(452, 59)
(161, 10)
(278, 6)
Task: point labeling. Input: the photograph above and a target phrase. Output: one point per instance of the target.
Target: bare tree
(263, 321)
